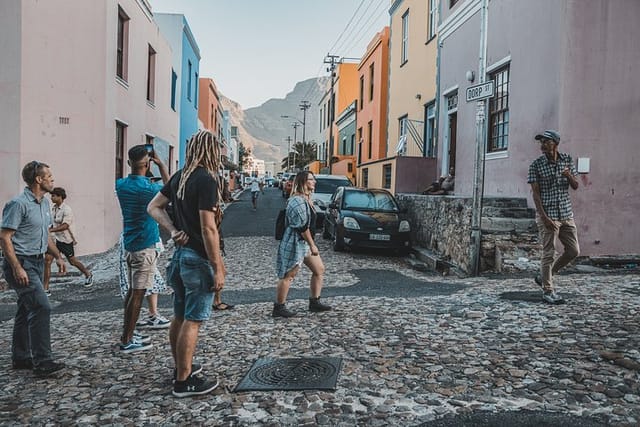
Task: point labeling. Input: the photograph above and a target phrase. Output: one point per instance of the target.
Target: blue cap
(549, 134)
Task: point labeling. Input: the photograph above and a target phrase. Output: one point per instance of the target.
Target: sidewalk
(489, 347)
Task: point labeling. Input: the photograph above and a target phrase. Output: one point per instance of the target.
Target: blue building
(186, 69)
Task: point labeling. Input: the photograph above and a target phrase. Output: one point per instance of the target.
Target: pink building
(82, 82)
(565, 65)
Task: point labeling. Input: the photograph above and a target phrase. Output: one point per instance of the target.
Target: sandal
(222, 306)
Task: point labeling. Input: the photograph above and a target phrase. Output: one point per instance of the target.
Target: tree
(243, 155)
(301, 156)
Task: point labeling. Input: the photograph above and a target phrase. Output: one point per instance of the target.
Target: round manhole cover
(304, 373)
(291, 372)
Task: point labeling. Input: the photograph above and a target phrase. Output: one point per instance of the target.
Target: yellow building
(409, 165)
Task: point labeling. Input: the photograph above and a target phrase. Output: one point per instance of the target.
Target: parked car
(361, 217)
(325, 187)
(283, 179)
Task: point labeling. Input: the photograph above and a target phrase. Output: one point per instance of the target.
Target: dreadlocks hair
(300, 182)
(202, 150)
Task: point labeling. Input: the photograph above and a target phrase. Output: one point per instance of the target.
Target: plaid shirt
(293, 248)
(554, 187)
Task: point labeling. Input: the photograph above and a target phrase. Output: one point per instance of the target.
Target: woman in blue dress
(297, 247)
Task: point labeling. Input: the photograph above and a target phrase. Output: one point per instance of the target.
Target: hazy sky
(258, 49)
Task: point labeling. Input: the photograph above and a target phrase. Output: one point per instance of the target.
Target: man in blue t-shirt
(140, 236)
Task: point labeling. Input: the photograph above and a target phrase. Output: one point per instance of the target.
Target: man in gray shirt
(24, 238)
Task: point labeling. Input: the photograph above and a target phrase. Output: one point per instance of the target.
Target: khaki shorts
(142, 266)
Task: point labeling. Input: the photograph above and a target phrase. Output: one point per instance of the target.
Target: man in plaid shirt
(550, 176)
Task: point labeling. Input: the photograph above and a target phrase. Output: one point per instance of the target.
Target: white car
(325, 187)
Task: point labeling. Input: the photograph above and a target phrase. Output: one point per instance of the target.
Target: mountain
(264, 130)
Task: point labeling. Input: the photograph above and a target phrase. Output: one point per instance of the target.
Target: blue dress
(293, 248)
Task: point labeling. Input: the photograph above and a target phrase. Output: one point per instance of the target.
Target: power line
(347, 26)
(366, 32)
(355, 26)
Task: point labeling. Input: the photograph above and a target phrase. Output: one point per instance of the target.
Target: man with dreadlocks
(195, 195)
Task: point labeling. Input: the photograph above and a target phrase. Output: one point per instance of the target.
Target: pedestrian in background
(24, 238)
(196, 270)
(255, 190)
(64, 236)
(141, 234)
(550, 176)
(297, 247)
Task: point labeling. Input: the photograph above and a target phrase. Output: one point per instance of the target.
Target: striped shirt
(554, 187)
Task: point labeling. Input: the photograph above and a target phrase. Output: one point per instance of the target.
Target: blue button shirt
(31, 220)
(140, 230)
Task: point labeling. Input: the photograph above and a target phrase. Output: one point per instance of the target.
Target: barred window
(498, 139)
(386, 178)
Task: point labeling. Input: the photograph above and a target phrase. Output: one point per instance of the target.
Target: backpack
(280, 224)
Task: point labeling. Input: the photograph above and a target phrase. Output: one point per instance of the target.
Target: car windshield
(369, 201)
(328, 186)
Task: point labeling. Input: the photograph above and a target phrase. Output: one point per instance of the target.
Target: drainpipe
(481, 143)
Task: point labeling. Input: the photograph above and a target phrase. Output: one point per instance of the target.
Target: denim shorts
(191, 278)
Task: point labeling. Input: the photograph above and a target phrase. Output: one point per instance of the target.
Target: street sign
(480, 91)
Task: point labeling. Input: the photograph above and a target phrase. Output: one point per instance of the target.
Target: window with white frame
(151, 75)
(498, 139)
(433, 9)
(404, 51)
(121, 136)
(122, 51)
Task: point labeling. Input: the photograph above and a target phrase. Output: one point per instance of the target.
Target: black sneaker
(196, 368)
(193, 386)
(315, 306)
(538, 280)
(280, 310)
(22, 364)
(47, 367)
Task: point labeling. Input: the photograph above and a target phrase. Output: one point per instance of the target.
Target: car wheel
(338, 242)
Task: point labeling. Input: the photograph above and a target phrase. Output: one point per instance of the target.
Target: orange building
(209, 109)
(371, 122)
(345, 89)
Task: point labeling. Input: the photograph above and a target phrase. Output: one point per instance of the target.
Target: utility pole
(295, 140)
(288, 139)
(332, 60)
(304, 105)
(481, 143)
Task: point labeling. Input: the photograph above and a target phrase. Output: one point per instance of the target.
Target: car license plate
(379, 237)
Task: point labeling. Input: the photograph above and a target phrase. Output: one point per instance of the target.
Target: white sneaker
(158, 322)
(88, 282)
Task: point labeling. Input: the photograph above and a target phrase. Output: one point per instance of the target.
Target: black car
(362, 217)
(325, 187)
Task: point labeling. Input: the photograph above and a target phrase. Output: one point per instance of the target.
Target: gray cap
(549, 134)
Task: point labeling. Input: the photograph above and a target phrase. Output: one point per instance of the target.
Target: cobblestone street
(450, 348)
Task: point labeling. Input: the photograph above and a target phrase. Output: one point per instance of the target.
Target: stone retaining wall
(441, 224)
